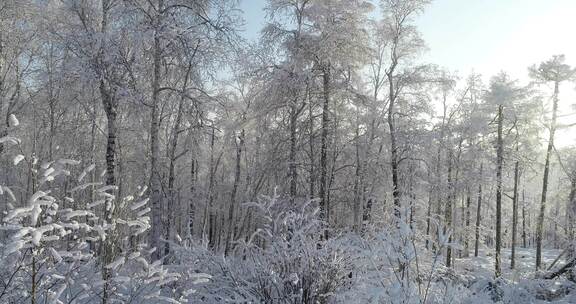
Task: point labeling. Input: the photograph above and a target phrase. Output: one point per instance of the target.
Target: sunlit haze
(486, 37)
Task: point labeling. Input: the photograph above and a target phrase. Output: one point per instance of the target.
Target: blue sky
(482, 35)
(494, 35)
(486, 36)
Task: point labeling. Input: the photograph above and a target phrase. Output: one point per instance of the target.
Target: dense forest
(150, 153)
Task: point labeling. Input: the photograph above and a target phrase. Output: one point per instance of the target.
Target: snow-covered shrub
(284, 261)
(56, 236)
(391, 265)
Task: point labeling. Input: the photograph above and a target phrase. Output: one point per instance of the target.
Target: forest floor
(518, 285)
(483, 265)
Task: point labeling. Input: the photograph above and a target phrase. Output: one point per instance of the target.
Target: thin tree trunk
(332, 166)
(436, 185)
(540, 224)
(92, 194)
(571, 215)
(478, 214)
(294, 111)
(172, 209)
(311, 147)
(514, 215)
(412, 197)
(231, 210)
(293, 173)
(52, 112)
(155, 178)
(367, 202)
(209, 212)
(467, 224)
(524, 244)
(33, 278)
(192, 207)
(394, 152)
(357, 178)
(499, 161)
(394, 161)
(367, 214)
(324, 208)
(212, 217)
(555, 242)
(428, 215)
(448, 210)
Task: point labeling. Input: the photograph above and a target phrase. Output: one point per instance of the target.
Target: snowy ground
(516, 286)
(483, 265)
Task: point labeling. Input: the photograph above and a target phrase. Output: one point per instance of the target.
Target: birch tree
(405, 44)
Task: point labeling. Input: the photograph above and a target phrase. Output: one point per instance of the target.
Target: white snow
(17, 159)
(13, 121)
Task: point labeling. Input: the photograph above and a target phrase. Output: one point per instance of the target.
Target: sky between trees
(485, 36)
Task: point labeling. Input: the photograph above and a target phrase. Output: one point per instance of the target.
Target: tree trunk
(155, 178)
(367, 214)
(110, 108)
(396, 193)
(412, 197)
(499, 161)
(448, 210)
(209, 221)
(293, 173)
(231, 210)
(332, 216)
(357, 178)
(172, 209)
(33, 279)
(467, 224)
(540, 224)
(192, 207)
(92, 195)
(52, 113)
(478, 214)
(324, 208)
(436, 184)
(311, 147)
(555, 242)
(524, 244)
(428, 218)
(571, 217)
(514, 215)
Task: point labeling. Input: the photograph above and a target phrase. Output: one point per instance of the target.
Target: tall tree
(405, 43)
(327, 39)
(502, 94)
(156, 23)
(555, 71)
